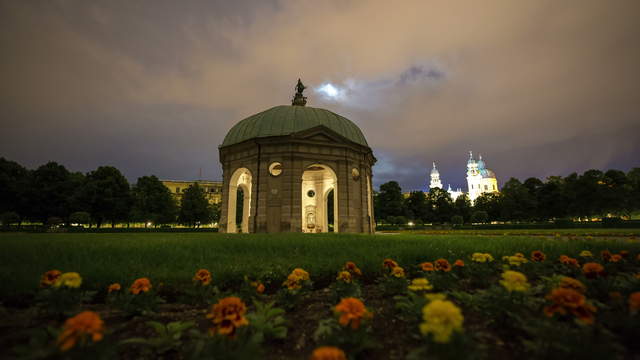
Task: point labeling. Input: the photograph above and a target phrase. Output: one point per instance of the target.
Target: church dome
(289, 119)
(486, 173)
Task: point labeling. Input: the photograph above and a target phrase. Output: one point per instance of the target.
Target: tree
(490, 204)
(462, 207)
(634, 181)
(106, 195)
(516, 202)
(194, 208)
(441, 204)
(50, 191)
(553, 199)
(534, 186)
(479, 217)
(80, 217)
(389, 201)
(417, 207)
(9, 217)
(152, 202)
(14, 180)
(616, 193)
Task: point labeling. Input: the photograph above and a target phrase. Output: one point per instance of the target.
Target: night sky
(538, 88)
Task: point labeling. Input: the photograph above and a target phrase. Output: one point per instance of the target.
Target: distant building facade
(212, 189)
(480, 180)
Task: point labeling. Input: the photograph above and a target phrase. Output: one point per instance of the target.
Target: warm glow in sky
(538, 88)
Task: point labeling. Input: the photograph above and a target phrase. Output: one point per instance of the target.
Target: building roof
(289, 119)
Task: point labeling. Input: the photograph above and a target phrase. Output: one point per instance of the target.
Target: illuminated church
(480, 180)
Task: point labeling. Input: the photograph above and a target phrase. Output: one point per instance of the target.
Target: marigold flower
(516, 260)
(85, 325)
(228, 315)
(573, 284)
(389, 264)
(443, 265)
(634, 302)
(328, 353)
(569, 301)
(481, 257)
(397, 272)
(113, 287)
(293, 282)
(344, 276)
(459, 263)
(615, 295)
(303, 275)
(70, 280)
(538, 256)
(566, 260)
(140, 285)
(352, 268)
(202, 276)
(441, 319)
(352, 311)
(586, 253)
(427, 266)
(259, 286)
(514, 281)
(615, 258)
(593, 270)
(624, 253)
(606, 255)
(49, 278)
(420, 284)
(432, 297)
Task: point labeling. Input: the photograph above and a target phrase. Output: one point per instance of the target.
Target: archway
(318, 182)
(240, 180)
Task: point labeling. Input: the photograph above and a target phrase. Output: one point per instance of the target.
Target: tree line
(53, 195)
(593, 194)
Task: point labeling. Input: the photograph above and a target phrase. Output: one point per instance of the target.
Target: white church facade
(480, 180)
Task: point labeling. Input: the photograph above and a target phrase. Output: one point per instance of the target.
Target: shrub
(457, 220)
(480, 217)
(9, 217)
(80, 217)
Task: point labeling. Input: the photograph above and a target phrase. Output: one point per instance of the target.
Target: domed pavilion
(295, 168)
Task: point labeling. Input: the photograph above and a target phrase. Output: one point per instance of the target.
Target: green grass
(173, 258)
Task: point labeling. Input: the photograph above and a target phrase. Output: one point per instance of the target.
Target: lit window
(177, 190)
(486, 187)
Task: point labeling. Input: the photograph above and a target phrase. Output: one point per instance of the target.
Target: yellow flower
(516, 260)
(432, 297)
(85, 325)
(70, 279)
(397, 272)
(514, 281)
(481, 257)
(586, 253)
(441, 319)
(344, 276)
(420, 284)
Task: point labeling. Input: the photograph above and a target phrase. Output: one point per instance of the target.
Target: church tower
(435, 178)
(474, 179)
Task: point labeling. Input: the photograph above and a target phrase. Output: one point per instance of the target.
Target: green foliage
(194, 207)
(152, 202)
(388, 201)
(80, 217)
(340, 289)
(106, 195)
(9, 218)
(457, 220)
(169, 337)
(62, 301)
(267, 322)
(479, 217)
(355, 342)
(135, 304)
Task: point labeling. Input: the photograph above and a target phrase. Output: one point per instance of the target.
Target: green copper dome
(285, 120)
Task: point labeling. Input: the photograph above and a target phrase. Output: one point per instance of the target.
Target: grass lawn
(172, 258)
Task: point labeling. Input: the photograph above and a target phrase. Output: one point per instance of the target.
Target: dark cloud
(539, 88)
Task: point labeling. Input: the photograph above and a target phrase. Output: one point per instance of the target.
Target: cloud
(425, 81)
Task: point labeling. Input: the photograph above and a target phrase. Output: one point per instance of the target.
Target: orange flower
(427, 266)
(569, 261)
(140, 285)
(398, 272)
(352, 268)
(328, 353)
(113, 287)
(593, 270)
(568, 301)
(78, 328)
(203, 276)
(606, 255)
(389, 264)
(259, 286)
(293, 282)
(634, 302)
(615, 258)
(624, 253)
(443, 265)
(573, 284)
(303, 275)
(228, 315)
(458, 263)
(351, 311)
(538, 256)
(49, 278)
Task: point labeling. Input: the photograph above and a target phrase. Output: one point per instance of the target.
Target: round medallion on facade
(292, 168)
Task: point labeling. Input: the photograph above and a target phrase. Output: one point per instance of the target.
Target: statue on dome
(299, 99)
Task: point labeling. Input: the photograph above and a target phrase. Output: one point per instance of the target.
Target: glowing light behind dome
(330, 91)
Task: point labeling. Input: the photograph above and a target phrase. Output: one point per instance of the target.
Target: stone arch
(241, 178)
(319, 179)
